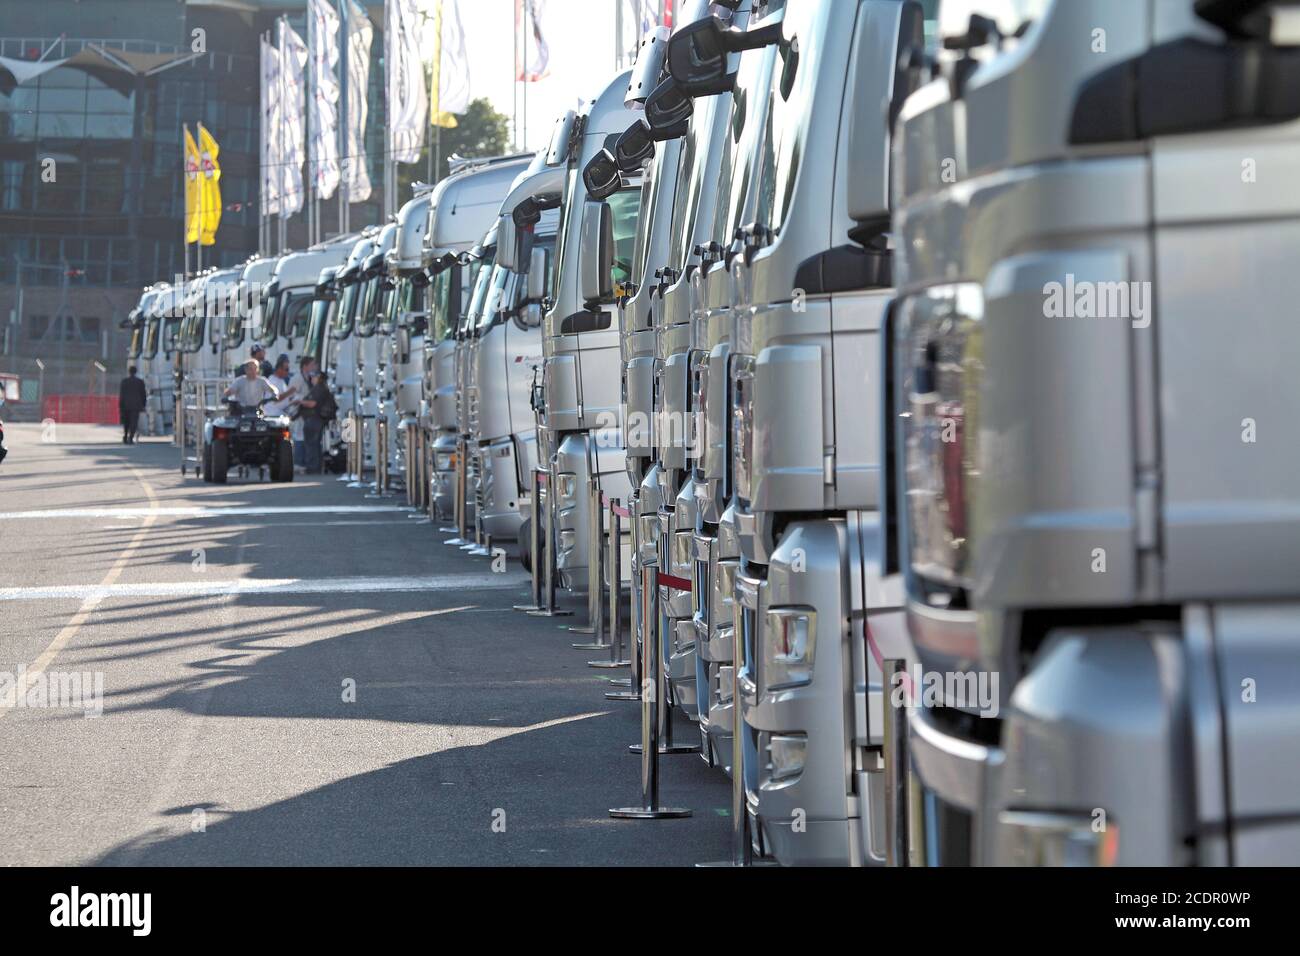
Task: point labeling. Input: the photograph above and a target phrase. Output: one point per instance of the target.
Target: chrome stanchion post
(595, 625)
(652, 698)
(459, 489)
(742, 848)
(615, 599)
(661, 637)
(548, 609)
(895, 761)
(534, 544)
(633, 680)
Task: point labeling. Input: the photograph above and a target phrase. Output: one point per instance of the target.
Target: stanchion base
(478, 551)
(447, 531)
(581, 629)
(621, 681)
(529, 607)
(626, 695)
(551, 612)
(590, 647)
(668, 750)
(641, 813)
(456, 542)
(712, 864)
(609, 664)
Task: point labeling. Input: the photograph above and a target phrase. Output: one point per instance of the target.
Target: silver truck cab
(580, 427)
(462, 209)
(508, 357)
(286, 308)
(162, 328)
(344, 361)
(371, 335)
(139, 349)
(211, 303)
(407, 318)
(1091, 506)
(808, 265)
(254, 276)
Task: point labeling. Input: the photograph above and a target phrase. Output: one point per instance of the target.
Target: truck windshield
(314, 344)
(151, 338)
(441, 323)
(137, 340)
(646, 217)
(171, 332)
(269, 321)
(241, 311)
(790, 93)
(297, 313)
(626, 206)
(322, 309)
(492, 304)
(366, 317)
(345, 314)
(482, 281)
(387, 308)
(752, 82)
(690, 180)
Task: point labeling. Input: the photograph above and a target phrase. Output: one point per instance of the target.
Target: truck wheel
(282, 463)
(220, 455)
(526, 552)
(207, 463)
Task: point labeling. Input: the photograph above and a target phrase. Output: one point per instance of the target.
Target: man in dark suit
(132, 397)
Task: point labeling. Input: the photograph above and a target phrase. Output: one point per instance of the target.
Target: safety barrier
(82, 409)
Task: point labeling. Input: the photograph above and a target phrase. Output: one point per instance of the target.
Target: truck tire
(525, 540)
(207, 463)
(282, 462)
(220, 455)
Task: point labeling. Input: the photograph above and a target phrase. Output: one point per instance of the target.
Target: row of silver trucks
(935, 356)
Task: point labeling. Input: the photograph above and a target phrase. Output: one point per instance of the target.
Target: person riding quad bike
(245, 436)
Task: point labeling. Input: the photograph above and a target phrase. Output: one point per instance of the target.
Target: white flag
(293, 62)
(356, 170)
(323, 34)
(532, 62)
(408, 101)
(450, 88)
(271, 122)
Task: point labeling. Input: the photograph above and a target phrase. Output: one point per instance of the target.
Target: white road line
(91, 599)
(220, 511)
(199, 588)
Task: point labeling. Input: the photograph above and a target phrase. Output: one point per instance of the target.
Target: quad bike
(246, 437)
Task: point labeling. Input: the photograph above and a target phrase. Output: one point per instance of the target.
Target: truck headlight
(941, 365)
(785, 755)
(742, 424)
(789, 638)
(1057, 839)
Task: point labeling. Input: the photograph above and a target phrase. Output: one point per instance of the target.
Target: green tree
(480, 131)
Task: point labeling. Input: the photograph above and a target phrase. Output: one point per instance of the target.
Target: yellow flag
(437, 115)
(211, 186)
(193, 189)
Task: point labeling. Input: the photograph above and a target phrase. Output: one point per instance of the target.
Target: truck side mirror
(601, 176)
(596, 258)
(667, 110)
(535, 291)
(634, 147)
(697, 53)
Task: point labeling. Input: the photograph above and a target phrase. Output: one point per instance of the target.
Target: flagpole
(261, 127)
(514, 75)
(307, 127)
(185, 218)
(524, 38)
(345, 76)
(284, 116)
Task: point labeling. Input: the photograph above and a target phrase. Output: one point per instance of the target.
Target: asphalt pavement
(293, 674)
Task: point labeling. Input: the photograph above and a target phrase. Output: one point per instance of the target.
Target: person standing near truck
(132, 397)
(318, 410)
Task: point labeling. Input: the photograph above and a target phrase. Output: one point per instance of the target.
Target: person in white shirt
(301, 385)
(250, 388)
(279, 380)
